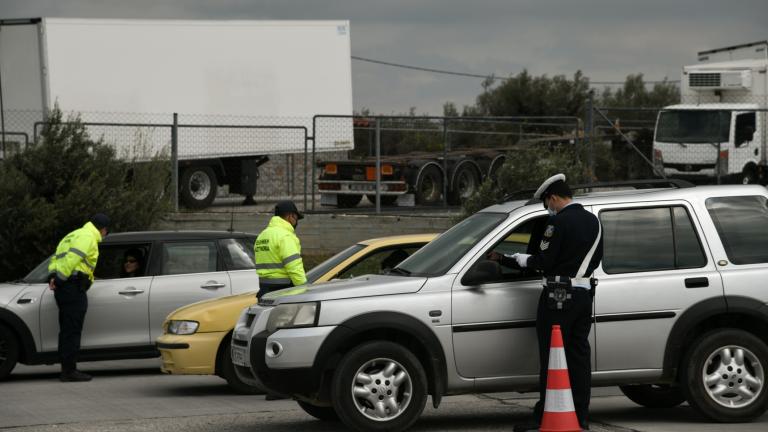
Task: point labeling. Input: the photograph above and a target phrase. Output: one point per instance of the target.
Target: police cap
(554, 185)
(282, 208)
(100, 220)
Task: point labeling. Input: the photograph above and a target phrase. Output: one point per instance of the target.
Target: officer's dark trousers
(266, 287)
(73, 303)
(575, 324)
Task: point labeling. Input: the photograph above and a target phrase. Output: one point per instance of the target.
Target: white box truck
(719, 129)
(215, 73)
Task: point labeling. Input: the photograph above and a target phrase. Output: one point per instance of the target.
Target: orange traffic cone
(559, 413)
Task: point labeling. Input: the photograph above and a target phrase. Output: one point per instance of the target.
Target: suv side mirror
(482, 272)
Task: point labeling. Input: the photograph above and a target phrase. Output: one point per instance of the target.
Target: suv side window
(189, 257)
(741, 222)
(517, 240)
(238, 253)
(649, 239)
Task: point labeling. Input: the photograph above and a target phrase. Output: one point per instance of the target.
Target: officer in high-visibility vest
(278, 251)
(71, 275)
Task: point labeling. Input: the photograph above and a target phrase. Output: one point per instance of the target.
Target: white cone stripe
(557, 359)
(558, 401)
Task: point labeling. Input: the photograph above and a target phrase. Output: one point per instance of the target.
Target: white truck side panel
(21, 83)
(210, 72)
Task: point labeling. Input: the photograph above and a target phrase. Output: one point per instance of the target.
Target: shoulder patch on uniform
(549, 231)
(544, 245)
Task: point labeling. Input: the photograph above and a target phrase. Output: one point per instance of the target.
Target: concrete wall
(319, 233)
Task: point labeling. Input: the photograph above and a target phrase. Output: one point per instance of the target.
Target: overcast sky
(606, 39)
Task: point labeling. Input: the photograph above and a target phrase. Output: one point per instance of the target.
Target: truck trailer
(718, 131)
(212, 73)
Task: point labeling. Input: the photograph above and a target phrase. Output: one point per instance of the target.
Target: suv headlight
(182, 327)
(292, 315)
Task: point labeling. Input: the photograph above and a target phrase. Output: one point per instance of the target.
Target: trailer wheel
(466, 184)
(430, 186)
(348, 201)
(198, 187)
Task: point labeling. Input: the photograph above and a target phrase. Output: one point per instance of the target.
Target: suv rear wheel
(654, 396)
(379, 386)
(724, 375)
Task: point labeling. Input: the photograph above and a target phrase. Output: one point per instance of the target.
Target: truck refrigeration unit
(719, 129)
(212, 73)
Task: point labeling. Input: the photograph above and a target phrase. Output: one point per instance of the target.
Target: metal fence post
(175, 162)
(378, 165)
(306, 157)
(588, 134)
(445, 162)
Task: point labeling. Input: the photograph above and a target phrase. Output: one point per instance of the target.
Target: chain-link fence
(424, 161)
(712, 142)
(209, 151)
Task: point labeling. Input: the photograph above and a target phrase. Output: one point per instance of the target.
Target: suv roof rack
(637, 184)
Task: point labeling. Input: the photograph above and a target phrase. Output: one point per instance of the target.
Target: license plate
(238, 356)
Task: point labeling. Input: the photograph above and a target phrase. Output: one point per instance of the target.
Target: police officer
(570, 250)
(278, 251)
(71, 274)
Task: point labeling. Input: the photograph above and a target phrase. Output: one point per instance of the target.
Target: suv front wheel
(379, 386)
(724, 375)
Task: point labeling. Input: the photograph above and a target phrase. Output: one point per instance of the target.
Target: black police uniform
(568, 238)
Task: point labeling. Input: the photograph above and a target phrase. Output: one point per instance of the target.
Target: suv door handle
(131, 290)
(212, 284)
(699, 282)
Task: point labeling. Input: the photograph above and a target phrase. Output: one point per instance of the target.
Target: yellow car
(196, 337)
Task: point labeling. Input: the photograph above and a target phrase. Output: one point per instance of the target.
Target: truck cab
(718, 132)
(704, 141)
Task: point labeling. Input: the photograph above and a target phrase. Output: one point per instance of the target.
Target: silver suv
(680, 314)
(125, 314)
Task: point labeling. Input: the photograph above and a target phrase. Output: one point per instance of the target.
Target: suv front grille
(239, 342)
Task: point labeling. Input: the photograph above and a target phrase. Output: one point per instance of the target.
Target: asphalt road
(135, 396)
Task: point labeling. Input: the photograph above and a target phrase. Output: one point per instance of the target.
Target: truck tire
(466, 183)
(229, 374)
(748, 176)
(379, 386)
(429, 187)
(348, 201)
(198, 187)
(724, 373)
(321, 413)
(386, 200)
(654, 396)
(9, 352)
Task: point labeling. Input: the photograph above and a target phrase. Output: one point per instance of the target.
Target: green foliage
(54, 186)
(526, 95)
(525, 169)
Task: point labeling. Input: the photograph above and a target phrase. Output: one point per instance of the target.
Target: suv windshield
(693, 126)
(439, 255)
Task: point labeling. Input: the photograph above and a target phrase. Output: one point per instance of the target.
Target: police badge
(558, 295)
(549, 231)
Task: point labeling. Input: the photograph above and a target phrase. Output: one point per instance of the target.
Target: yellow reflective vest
(278, 254)
(77, 252)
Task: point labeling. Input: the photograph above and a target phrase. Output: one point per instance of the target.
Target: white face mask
(551, 212)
